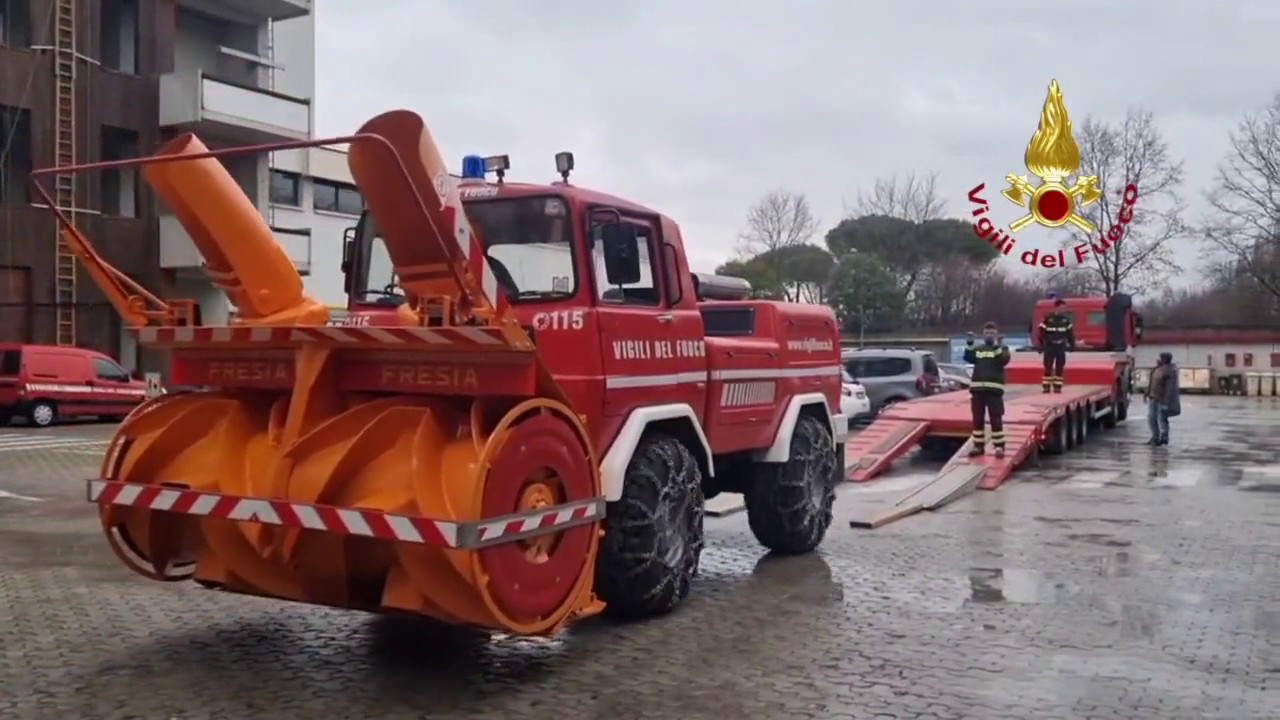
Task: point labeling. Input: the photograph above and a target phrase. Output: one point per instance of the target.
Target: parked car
(892, 375)
(955, 376)
(854, 402)
(45, 383)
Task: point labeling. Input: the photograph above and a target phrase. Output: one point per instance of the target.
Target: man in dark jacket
(1162, 399)
(1057, 335)
(986, 389)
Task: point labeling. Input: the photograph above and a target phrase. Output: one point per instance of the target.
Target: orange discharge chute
(241, 255)
(418, 235)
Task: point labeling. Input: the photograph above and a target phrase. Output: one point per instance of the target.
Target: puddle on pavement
(1068, 522)
(1101, 539)
(1014, 585)
(1260, 478)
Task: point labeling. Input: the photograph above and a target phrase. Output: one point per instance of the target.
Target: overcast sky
(697, 107)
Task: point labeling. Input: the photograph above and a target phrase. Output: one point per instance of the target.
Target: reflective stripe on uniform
(988, 385)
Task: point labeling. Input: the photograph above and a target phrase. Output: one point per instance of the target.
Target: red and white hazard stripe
(347, 521)
(363, 335)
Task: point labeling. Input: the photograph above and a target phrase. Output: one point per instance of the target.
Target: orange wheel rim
(542, 491)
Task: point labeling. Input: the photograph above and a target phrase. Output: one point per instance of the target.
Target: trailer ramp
(959, 477)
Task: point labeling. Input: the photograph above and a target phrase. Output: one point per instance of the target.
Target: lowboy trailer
(1096, 396)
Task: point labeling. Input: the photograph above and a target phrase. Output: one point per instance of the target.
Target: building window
(286, 188)
(15, 171)
(119, 36)
(119, 185)
(15, 23)
(1275, 360)
(337, 198)
(1248, 359)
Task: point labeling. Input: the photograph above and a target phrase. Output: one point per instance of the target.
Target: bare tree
(905, 197)
(777, 223)
(1245, 221)
(1133, 153)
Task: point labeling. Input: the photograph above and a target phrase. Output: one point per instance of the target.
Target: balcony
(241, 115)
(177, 252)
(250, 11)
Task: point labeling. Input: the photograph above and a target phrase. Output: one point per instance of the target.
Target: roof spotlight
(564, 164)
(498, 164)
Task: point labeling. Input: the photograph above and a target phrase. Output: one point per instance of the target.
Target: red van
(45, 383)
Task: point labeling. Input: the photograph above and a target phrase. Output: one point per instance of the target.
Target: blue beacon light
(473, 167)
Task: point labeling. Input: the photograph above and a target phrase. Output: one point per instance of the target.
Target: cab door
(651, 337)
(114, 392)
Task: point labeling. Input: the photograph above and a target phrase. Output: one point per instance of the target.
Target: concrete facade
(312, 191)
(1220, 357)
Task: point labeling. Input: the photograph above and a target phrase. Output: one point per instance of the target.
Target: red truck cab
(46, 383)
(1100, 323)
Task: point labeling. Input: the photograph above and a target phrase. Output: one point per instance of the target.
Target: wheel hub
(540, 493)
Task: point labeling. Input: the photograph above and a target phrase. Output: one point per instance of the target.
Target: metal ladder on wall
(64, 64)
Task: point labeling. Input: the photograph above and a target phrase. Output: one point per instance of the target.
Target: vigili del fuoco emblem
(1052, 156)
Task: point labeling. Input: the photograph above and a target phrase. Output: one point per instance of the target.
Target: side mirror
(348, 256)
(348, 248)
(621, 246)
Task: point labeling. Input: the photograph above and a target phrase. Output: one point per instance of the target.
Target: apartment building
(311, 192)
(89, 80)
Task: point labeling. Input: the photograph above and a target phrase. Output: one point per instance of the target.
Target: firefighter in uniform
(1057, 335)
(986, 389)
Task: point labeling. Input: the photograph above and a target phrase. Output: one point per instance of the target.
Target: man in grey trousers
(1162, 399)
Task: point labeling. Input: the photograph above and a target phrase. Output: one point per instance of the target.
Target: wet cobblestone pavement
(1114, 582)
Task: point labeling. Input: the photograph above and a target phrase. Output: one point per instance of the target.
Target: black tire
(789, 504)
(1057, 442)
(940, 448)
(1111, 419)
(653, 533)
(5, 419)
(1069, 428)
(1083, 422)
(1122, 410)
(42, 413)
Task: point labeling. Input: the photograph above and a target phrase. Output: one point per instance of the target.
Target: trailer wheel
(653, 533)
(1083, 420)
(1056, 442)
(940, 448)
(1120, 408)
(1068, 421)
(789, 504)
(1111, 419)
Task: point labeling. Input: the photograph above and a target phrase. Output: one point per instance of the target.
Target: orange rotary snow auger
(432, 466)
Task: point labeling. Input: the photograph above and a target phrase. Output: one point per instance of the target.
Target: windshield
(528, 241)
